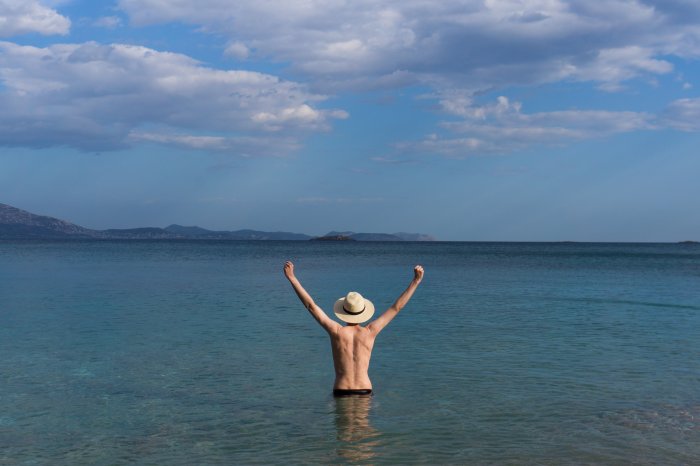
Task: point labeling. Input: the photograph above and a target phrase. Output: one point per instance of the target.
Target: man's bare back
(352, 344)
(352, 348)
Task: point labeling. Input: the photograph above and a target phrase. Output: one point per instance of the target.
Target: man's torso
(352, 349)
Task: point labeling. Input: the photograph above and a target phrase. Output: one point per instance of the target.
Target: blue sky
(482, 120)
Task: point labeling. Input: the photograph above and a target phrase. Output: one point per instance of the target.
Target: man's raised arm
(326, 322)
(402, 300)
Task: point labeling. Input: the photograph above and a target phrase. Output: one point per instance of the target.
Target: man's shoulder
(354, 332)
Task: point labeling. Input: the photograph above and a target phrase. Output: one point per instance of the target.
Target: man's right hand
(289, 270)
(418, 273)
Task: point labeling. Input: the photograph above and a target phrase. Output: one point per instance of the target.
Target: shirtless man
(352, 344)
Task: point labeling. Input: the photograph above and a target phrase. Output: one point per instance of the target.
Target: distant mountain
(20, 224)
(203, 233)
(17, 223)
(187, 231)
(136, 233)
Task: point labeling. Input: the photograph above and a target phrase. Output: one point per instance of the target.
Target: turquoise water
(200, 353)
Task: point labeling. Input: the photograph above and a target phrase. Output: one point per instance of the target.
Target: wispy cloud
(338, 200)
(218, 200)
(503, 127)
(393, 160)
(683, 115)
(245, 146)
(108, 22)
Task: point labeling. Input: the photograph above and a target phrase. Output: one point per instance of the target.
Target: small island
(333, 238)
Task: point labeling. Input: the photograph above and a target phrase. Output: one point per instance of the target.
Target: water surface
(200, 353)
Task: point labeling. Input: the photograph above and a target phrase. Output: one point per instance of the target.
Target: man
(352, 344)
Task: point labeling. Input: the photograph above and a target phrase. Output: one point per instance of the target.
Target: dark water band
(351, 392)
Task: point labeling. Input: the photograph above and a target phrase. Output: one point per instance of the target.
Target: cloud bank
(101, 97)
(458, 49)
(91, 96)
(452, 44)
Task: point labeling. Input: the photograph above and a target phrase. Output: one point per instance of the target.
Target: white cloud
(453, 44)
(99, 97)
(25, 16)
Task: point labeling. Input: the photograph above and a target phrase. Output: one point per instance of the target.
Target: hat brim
(345, 316)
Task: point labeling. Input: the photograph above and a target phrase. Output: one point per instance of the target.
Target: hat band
(354, 313)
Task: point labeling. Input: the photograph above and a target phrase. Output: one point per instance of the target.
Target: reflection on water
(357, 439)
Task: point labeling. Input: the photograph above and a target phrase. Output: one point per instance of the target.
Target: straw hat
(353, 308)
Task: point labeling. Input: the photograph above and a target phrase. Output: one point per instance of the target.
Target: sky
(530, 120)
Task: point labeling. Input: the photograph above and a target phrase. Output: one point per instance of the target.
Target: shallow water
(200, 353)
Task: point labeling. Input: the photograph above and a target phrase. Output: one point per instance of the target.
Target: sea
(200, 353)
